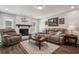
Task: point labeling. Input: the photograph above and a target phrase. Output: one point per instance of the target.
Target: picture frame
(23, 19)
(53, 21)
(61, 21)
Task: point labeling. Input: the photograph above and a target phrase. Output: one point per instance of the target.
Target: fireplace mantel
(22, 25)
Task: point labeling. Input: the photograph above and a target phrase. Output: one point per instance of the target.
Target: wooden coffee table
(39, 40)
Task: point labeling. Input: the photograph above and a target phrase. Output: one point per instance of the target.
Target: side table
(70, 37)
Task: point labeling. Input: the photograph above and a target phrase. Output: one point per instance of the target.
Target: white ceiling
(30, 10)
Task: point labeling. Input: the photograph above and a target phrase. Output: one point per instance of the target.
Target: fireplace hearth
(24, 32)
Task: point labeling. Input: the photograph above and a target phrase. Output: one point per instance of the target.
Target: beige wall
(71, 18)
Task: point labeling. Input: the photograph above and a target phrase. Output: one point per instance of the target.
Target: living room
(39, 29)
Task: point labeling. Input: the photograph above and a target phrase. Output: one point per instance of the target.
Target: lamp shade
(71, 27)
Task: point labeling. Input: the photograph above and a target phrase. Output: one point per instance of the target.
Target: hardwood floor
(66, 49)
(15, 49)
(18, 49)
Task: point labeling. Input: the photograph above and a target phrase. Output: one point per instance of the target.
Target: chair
(10, 37)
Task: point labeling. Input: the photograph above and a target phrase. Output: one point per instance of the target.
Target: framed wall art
(61, 21)
(23, 19)
(53, 21)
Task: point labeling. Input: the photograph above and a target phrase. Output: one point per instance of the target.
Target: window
(8, 22)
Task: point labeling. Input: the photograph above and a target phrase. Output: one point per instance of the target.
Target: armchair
(10, 37)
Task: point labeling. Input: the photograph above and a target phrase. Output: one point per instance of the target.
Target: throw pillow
(58, 33)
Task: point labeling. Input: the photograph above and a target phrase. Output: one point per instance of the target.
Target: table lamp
(71, 28)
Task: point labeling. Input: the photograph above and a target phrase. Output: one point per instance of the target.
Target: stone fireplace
(24, 32)
(23, 29)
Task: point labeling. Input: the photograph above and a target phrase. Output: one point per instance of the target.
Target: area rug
(31, 48)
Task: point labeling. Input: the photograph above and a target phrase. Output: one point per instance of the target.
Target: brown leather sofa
(52, 36)
(10, 37)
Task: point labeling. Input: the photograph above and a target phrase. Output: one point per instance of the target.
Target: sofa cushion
(8, 30)
(58, 33)
(52, 33)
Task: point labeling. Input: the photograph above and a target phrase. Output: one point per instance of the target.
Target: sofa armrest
(17, 34)
(61, 35)
(4, 36)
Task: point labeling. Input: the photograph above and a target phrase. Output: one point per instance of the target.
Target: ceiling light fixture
(72, 7)
(39, 7)
(6, 9)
